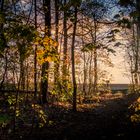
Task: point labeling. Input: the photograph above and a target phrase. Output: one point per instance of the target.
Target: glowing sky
(119, 69)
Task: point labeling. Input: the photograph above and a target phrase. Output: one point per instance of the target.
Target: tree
(57, 61)
(45, 65)
(95, 10)
(65, 47)
(2, 41)
(2, 19)
(133, 21)
(35, 53)
(73, 60)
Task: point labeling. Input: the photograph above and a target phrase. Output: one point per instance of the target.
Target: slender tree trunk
(90, 73)
(138, 34)
(85, 76)
(95, 71)
(138, 9)
(2, 37)
(5, 70)
(73, 62)
(56, 65)
(45, 65)
(95, 59)
(35, 55)
(132, 59)
(85, 69)
(35, 65)
(27, 78)
(65, 58)
(22, 74)
(27, 75)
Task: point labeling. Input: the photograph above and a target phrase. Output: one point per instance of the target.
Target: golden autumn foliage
(46, 49)
(136, 107)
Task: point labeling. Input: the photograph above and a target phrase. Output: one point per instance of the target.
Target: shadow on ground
(109, 120)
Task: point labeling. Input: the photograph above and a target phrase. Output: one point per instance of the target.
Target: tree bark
(56, 64)
(2, 37)
(22, 72)
(65, 57)
(73, 63)
(85, 76)
(5, 70)
(35, 54)
(90, 73)
(45, 65)
(95, 59)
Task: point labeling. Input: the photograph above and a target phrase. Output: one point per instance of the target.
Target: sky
(120, 68)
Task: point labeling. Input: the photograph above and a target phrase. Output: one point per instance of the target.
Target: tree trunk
(95, 71)
(22, 74)
(138, 9)
(56, 64)
(35, 54)
(90, 73)
(95, 59)
(2, 37)
(45, 65)
(5, 70)
(85, 66)
(73, 62)
(85, 76)
(138, 39)
(65, 57)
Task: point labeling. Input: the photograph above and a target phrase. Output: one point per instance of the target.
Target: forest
(55, 82)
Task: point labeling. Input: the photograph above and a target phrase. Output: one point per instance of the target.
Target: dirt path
(108, 121)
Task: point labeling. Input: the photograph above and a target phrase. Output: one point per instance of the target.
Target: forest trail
(109, 120)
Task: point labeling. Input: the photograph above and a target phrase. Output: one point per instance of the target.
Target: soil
(106, 118)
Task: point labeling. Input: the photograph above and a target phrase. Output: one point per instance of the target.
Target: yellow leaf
(48, 59)
(36, 43)
(55, 44)
(45, 43)
(40, 52)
